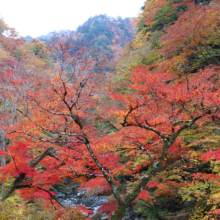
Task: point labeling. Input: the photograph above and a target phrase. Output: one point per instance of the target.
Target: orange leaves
(205, 177)
(190, 38)
(152, 184)
(132, 153)
(145, 195)
(164, 190)
(144, 116)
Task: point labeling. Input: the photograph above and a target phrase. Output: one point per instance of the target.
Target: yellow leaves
(215, 165)
(3, 53)
(13, 208)
(214, 198)
(141, 158)
(39, 63)
(174, 177)
(139, 40)
(20, 51)
(147, 36)
(204, 140)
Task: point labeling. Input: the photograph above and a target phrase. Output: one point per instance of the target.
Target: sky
(39, 17)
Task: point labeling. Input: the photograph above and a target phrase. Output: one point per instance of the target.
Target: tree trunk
(120, 212)
(3, 145)
(3, 159)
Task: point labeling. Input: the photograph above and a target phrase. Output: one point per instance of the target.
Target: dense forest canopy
(128, 116)
(101, 31)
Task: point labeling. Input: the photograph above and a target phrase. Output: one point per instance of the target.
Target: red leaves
(60, 112)
(152, 184)
(215, 212)
(20, 160)
(96, 186)
(2, 153)
(141, 167)
(145, 195)
(204, 177)
(108, 208)
(210, 155)
(34, 193)
(126, 172)
(177, 150)
(156, 102)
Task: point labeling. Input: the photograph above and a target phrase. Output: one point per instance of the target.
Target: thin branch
(112, 126)
(52, 196)
(47, 110)
(150, 129)
(71, 171)
(176, 134)
(48, 141)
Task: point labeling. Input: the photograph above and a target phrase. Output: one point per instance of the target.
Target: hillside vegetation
(132, 115)
(102, 33)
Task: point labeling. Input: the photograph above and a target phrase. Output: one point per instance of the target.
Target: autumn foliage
(146, 139)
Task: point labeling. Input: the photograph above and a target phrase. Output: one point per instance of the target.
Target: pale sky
(39, 17)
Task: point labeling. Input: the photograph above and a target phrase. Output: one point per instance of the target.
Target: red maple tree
(56, 137)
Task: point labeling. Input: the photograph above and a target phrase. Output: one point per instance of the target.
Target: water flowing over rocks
(69, 195)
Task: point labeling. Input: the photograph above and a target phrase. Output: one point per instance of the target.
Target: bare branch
(48, 141)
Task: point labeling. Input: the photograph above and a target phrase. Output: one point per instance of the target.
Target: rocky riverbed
(69, 195)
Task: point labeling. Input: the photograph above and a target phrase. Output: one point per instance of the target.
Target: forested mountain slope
(180, 39)
(102, 33)
(147, 136)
